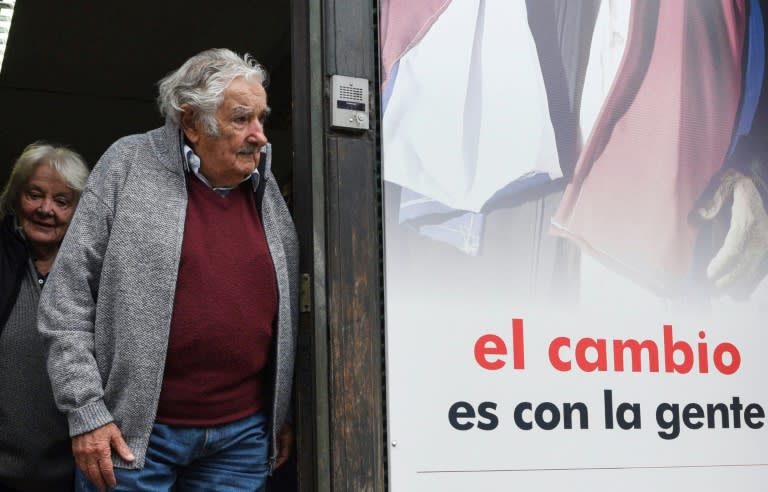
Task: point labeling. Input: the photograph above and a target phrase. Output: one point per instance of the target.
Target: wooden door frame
(340, 402)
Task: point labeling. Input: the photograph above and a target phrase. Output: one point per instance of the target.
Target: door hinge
(305, 293)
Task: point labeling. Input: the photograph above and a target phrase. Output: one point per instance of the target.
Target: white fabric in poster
(468, 113)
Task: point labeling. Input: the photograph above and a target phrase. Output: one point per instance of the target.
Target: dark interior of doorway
(84, 74)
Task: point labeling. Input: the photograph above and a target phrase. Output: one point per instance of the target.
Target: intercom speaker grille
(351, 93)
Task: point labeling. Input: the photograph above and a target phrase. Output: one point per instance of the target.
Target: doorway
(84, 74)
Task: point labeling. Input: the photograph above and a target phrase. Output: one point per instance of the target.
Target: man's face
(45, 208)
(234, 154)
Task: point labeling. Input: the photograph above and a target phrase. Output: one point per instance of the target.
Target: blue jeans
(229, 457)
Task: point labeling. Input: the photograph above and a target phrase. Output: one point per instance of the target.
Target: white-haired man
(169, 319)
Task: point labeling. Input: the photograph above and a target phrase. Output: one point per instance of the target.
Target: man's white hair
(201, 81)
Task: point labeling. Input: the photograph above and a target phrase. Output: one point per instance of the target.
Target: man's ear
(189, 123)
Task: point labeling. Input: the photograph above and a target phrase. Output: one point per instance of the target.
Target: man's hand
(738, 265)
(93, 454)
(284, 445)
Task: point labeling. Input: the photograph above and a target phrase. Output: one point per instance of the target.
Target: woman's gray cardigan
(106, 309)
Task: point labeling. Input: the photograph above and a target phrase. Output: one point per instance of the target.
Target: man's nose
(256, 134)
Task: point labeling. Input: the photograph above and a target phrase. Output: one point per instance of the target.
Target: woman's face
(45, 208)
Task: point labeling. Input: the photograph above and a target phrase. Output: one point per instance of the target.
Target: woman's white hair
(67, 163)
(201, 81)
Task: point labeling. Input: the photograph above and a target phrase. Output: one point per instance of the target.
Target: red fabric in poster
(662, 134)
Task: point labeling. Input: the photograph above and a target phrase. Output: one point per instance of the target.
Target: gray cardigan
(106, 309)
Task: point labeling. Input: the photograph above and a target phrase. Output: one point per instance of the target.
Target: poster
(575, 244)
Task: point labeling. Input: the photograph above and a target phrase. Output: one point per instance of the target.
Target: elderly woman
(35, 209)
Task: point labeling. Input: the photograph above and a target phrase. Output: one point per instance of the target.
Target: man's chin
(248, 169)
(248, 163)
(236, 179)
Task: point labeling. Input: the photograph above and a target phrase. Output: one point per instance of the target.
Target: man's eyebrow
(242, 111)
(239, 111)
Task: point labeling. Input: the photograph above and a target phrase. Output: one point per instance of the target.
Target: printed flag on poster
(576, 244)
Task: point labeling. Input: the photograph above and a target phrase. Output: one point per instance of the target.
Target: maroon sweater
(226, 298)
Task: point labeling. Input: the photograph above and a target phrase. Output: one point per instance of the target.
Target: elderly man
(169, 318)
